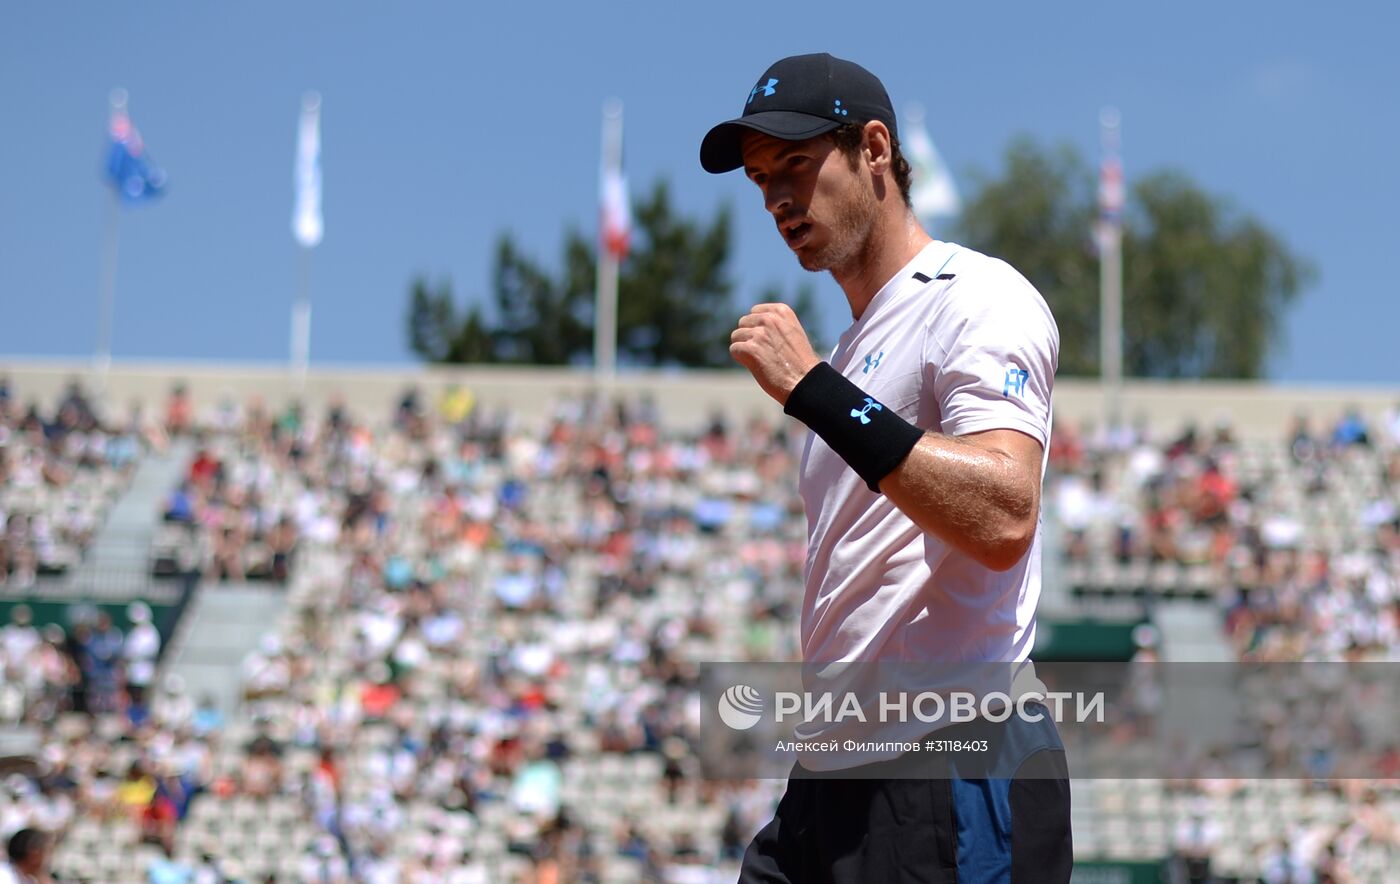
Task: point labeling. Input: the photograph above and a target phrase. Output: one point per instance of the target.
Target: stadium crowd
(1297, 544)
(59, 472)
(96, 668)
(502, 613)
(486, 664)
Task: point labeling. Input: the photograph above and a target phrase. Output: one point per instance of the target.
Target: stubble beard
(849, 236)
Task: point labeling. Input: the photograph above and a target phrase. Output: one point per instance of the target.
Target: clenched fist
(771, 343)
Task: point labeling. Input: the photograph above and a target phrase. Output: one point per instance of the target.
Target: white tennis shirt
(959, 343)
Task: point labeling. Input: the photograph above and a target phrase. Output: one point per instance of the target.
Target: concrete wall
(685, 399)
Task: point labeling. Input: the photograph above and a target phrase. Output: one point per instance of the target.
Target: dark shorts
(934, 828)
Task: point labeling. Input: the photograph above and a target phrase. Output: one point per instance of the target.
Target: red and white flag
(615, 223)
(617, 215)
(1111, 189)
(1111, 192)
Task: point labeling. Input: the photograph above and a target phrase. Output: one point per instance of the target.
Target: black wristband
(868, 436)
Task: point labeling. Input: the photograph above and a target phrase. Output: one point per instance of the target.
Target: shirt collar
(935, 253)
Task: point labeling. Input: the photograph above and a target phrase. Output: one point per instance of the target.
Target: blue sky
(447, 123)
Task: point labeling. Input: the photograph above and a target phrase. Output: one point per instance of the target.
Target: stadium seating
(481, 670)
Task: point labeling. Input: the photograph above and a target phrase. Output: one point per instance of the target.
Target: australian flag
(129, 170)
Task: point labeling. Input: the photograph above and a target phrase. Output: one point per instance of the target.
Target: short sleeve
(991, 352)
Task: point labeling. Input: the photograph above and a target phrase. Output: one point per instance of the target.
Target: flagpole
(107, 284)
(102, 360)
(307, 229)
(301, 322)
(1111, 273)
(605, 312)
(1110, 268)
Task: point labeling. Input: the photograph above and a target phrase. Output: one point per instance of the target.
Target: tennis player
(921, 478)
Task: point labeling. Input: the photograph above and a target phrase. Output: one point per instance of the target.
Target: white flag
(306, 216)
(932, 190)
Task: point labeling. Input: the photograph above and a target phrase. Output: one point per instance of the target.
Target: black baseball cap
(799, 97)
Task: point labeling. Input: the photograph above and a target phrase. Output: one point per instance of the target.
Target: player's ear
(878, 147)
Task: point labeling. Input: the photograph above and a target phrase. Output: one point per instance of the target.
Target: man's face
(823, 208)
(36, 861)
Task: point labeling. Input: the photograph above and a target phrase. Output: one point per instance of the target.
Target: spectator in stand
(1301, 441)
(180, 506)
(21, 554)
(19, 639)
(163, 813)
(179, 412)
(165, 869)
(455, 405)
(75, 401)
(283, 544)
(262, 766)
(136, 792)
(103, 656)
(229, 543)
(28, 854)
(142, 648)
(207, 717)
(205, 469)
(1350, 430)
(1067, 449)
(1390, 422)
(379, 694)
(324, 864)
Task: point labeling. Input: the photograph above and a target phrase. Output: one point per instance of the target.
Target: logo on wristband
(861, 412)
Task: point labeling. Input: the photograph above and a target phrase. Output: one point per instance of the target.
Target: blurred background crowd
(483, 661)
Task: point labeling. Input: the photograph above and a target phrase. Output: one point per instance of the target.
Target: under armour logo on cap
(767, 89)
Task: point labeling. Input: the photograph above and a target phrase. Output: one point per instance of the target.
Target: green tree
(437, 334)
(673, 293)
(674, 304)
(473, 344)
(1205, 287)
(541, 321)
(431, 320)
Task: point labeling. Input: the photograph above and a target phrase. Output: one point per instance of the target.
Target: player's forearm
(974, 492)
(978, 499)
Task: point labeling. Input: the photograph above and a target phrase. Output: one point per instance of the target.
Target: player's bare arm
(979, 492)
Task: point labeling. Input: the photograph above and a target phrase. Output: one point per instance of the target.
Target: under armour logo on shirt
(872, 363)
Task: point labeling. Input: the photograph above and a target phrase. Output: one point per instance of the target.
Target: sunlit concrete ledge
(684, 398)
